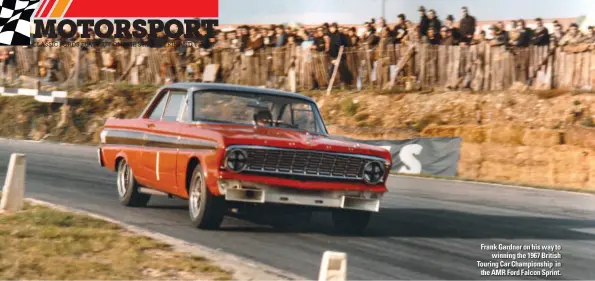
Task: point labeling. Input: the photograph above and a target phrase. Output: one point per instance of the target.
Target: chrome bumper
(241, 191)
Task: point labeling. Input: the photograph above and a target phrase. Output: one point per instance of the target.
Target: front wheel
(351, 221)
(128, 187)
(206, 210)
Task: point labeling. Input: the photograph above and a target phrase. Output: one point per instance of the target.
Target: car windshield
(257, 109)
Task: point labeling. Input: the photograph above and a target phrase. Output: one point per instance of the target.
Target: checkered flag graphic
(15, 21)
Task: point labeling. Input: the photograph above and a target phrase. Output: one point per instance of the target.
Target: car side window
(286, 115)
(303, 116)
(158, 110)
(176, 100)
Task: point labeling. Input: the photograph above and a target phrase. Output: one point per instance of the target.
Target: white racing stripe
(157, 166)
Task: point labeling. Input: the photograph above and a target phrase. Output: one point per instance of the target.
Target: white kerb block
(333, 267)
(13, 191)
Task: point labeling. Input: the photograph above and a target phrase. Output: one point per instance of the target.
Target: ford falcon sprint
(225, 147)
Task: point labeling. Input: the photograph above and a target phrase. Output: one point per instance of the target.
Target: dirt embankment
(391, 112)
(78, 122)
(516, 153)
(540, 138)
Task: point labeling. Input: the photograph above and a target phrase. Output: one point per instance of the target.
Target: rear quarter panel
(123, 138)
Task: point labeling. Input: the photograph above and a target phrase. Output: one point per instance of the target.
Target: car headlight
(236, 160)
(374, 172)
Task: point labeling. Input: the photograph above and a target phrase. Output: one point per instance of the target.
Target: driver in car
(263, 118)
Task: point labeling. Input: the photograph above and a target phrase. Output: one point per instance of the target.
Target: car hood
(294, 139)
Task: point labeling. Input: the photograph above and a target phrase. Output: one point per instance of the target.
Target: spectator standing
(337, 40)
(590, 39)
(541, 36)
(525, 35)
(400, 29)
(572, 37)
(381, 25)
(467, 26)
(433, 37)
(503, 32)
(500, 37)
(371, 39)
(558, 33)
(433, 21)
(244, 37)
(423, 21)
(319, 41)
(280, 37)
(205, 40)
(268, 35)
(514, 34)
(481, 38)
(353, 38)
(447, 38)
(452, 29)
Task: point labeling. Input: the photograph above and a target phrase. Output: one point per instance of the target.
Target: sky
(359, 11)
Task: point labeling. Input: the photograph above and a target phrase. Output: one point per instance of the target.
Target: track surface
(427, 229)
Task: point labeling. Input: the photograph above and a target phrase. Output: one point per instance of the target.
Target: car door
(147, 124)
(161, 148)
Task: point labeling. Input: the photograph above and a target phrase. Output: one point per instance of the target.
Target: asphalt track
(427, 229)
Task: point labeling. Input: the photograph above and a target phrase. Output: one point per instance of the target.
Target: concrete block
(13, 191)
(333, 267)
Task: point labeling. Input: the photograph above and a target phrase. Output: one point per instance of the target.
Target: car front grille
(306, 163)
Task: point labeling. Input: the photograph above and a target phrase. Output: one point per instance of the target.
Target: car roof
(239, 88)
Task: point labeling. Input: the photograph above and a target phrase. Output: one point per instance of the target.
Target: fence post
(335, 69)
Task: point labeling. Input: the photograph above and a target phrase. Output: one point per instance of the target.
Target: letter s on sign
(412, 165)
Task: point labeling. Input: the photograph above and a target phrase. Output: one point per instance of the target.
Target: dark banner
(433, 156)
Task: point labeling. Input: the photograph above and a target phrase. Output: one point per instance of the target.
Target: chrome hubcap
(194, 201)
(124, 178)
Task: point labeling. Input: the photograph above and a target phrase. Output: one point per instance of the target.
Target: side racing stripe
(138, 138)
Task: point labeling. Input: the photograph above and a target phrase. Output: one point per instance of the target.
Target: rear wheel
(351, 221)
(128, 187)
(206, 210)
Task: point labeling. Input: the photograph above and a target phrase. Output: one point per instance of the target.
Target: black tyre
(351, 221)
(128, 187)
(206, 210)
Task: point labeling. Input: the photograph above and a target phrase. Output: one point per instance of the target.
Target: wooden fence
(479, 67)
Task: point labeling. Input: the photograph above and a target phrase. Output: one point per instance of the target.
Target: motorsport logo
(123, 19)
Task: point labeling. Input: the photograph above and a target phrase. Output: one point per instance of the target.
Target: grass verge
(44, 243)
(501, 182)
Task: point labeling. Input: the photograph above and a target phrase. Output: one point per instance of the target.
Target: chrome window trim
(165, 89)
(166, 104)
(180, 117)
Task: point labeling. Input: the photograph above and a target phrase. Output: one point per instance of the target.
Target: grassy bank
(43, 243)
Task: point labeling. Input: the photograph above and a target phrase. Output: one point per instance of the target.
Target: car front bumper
(252, 192)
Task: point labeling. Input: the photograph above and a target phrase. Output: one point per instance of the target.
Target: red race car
(224, 146)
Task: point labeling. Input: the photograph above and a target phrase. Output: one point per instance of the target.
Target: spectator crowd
(328, 38)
